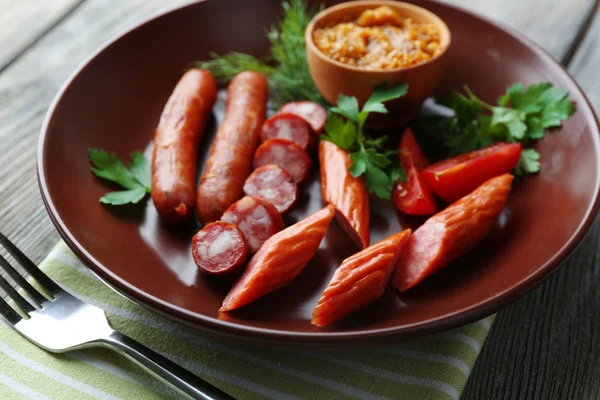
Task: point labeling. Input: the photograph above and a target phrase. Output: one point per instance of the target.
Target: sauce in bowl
(379, 39)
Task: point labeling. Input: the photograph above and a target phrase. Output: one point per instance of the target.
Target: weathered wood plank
(547, 345)
(23, 22)
(552, 24)
(26, 90)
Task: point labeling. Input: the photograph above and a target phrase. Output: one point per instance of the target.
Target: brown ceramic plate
(114, 100)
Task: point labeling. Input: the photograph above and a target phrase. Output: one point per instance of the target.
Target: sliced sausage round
(288, 126)
(287, 155)
(274, 185)
(313, 113)
(257, 219)
(219, 248)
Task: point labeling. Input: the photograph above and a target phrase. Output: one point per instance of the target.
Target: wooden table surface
(544, 346)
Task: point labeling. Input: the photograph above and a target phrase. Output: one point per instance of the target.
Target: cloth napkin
(435, 367)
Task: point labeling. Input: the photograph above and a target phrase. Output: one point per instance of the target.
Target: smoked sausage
(312, 113)
(230, 159)
(287, 155)
(280, 260)
(175, 142)
(219, 248)
(346, 193)
(257, 219)
(452, 232)
(360, 280)
(291, 127)
(274, 185)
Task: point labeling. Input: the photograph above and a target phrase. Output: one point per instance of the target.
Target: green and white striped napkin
(433, 368)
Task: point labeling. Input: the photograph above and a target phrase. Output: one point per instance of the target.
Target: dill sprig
(286, 67)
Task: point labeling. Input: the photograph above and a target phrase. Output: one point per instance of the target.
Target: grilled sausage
(230, 158)
(175, 145)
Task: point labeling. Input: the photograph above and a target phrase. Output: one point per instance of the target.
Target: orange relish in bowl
(379, 39)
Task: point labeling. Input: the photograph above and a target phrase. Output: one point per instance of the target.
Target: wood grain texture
(555, 31)
(24, 22)
(546, 345)
(27, 88)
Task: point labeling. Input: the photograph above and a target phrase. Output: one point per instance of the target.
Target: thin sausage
(219, 248)
(360, 280)
(346, 193)
(257, 219)
(230, 159)
(280, 260)
(313, 113)
(452, 232)
(291, 127)
(274, 185)
(287, 155)
(175, 145)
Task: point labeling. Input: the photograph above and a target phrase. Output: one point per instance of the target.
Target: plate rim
(458, 318)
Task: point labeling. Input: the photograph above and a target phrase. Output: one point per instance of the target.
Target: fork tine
(22, 282)
(15, 296)
(29, 266)
(8, 313)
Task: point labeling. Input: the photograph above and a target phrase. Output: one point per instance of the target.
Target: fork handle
(164, 369)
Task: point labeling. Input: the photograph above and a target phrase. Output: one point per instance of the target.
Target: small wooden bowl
(333, 78)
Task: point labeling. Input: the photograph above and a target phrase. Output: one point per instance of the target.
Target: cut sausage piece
(219, 248)
(257, 219)
(287, 155)
(346, 193)
(360, 280)
(230, 159)
(452, 232)
(175, 145)
(273, 184)
(280, 260)
(290, 127)
(313, 113)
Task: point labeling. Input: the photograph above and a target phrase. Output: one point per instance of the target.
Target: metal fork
(59, 322)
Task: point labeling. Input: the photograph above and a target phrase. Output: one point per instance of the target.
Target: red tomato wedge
(452, 232)
(413, 197)
(360, 280)
(458, 176)
(279, 260)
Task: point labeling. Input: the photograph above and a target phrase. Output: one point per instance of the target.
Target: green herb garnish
(285, 67)
(345, 128)
(521, 115)
(136, 179)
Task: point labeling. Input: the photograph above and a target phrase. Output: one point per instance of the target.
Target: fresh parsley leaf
(124, 197)
(359, 164)
(535, 129)
(340, 132)
(136, 180)
(378, 181)
(108, 166)
(344, 127)
(395, 171)
(522, 115)
(555, 113)
(347, 107)
(528, 163)
(381, 94)
(141, 170)
(512, 119)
